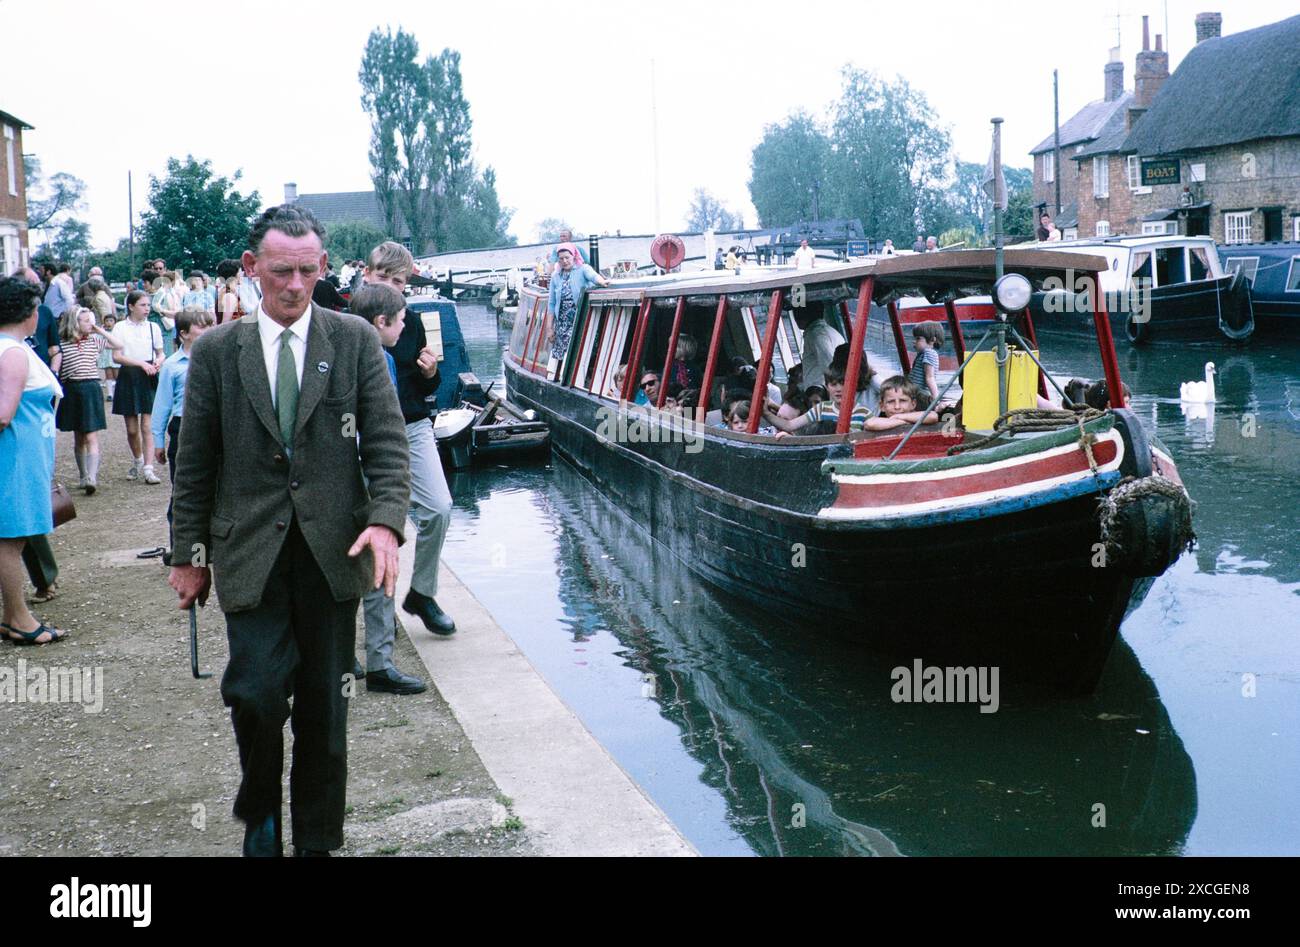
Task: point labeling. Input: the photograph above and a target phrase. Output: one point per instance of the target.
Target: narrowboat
(1272, 270)
(1159, 289)
(990, 538)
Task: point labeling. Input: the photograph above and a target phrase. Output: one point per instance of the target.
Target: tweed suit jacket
(237, 488)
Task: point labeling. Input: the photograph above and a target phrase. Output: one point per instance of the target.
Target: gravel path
(148, 765)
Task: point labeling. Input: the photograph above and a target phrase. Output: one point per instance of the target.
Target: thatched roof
(1227, 90)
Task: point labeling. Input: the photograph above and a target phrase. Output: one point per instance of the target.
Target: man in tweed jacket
(292, 485)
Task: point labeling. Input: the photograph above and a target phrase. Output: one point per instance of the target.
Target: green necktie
(286, 389)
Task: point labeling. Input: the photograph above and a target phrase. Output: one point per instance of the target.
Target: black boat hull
(1020, 587)
(1203, 311)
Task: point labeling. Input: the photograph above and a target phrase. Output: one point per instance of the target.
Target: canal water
(760, 737)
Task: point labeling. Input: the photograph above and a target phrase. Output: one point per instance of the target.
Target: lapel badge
(322, 367)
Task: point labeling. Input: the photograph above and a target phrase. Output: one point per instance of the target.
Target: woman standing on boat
(568, 285)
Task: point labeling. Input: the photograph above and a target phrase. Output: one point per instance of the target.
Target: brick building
(1228, 121)
(13, 196)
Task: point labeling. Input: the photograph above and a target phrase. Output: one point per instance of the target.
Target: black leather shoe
(262, 839)
(427, 610)
(393, 681)
(358, 672)
(309, 853)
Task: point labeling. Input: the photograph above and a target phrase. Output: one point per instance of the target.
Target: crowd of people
(261, 482)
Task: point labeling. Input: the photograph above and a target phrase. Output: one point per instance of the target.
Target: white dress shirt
(270, 331)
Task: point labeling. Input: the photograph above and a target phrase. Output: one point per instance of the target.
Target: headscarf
(577, 257)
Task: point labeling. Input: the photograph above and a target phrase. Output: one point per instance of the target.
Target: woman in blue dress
(27, 393)
(568, 284)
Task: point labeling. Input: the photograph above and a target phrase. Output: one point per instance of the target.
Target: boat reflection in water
(797, 732)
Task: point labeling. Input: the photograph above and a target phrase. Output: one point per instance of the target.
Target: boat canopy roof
(933, 275)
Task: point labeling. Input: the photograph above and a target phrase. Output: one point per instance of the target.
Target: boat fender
(1138, 331)
(1146, 524)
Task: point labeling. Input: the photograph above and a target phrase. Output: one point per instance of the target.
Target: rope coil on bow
(1030, 420)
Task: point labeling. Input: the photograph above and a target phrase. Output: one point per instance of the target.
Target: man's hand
(160, 455)
(191, 583)
(383, 543)
(427, 362)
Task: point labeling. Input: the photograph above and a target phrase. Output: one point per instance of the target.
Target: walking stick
(194, 644)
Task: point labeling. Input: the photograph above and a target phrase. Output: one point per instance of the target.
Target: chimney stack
(290, 192)
(1152, 69)
(1208, 26)
(1114, 76)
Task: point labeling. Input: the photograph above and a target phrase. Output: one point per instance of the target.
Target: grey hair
(290, 219)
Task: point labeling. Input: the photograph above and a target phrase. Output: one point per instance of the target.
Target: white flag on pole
(998, 195)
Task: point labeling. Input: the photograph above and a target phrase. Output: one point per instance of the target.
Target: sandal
(153, 553)
(29, 637)
(44, 595)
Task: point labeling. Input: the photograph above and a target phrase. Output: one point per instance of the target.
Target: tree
(480, 221)
(195, 218)
(708, 213)
(48, 200)
(550, 228)
(420, 147)
(890, 157)
(788, 168)
(72, 241)
(116, 263)
(971, 202)
(353, 240)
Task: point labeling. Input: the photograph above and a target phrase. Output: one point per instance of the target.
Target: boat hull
(1203, 311)
(1013, 583)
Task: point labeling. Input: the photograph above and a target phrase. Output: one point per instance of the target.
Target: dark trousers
(297, 642)
(38, 557)
(173, 435)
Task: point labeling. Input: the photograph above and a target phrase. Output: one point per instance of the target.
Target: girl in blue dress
(27, 393)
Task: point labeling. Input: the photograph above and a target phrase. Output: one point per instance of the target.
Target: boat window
(604, 342)
(1142, 265)
(1171, 267)
(1248, 266)
(1293, 277)
(1198, 263)
(520, 329)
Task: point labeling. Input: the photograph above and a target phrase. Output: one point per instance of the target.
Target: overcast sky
(560, 94)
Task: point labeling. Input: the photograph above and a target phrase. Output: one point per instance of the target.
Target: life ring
(1138, 331)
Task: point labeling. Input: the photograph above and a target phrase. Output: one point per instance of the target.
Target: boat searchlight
(1012, 292)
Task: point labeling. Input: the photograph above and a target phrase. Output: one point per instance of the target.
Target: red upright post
(634, 356)
(714, 343)
(1109, 363)
(854, 366)
(903, 358)
(672, 351)
(958, 340)
(759, 398)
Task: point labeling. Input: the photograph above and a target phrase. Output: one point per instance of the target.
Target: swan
(1199, 392)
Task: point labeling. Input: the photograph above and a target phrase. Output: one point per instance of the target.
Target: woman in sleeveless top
(27, 393)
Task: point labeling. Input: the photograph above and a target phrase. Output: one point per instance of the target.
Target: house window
(1134, 172)
(1100, 176)
(1049, 167)
(1103, 228)
(1159, 228)
(10, 163)
(1070, 233)
(1236, 227)
(1295, 228)
(1248, 266)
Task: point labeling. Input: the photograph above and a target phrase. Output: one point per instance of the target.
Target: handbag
(61, 504)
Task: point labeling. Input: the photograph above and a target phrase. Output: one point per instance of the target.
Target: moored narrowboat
(1272, 270)
(931, 535)
(1159, 289)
